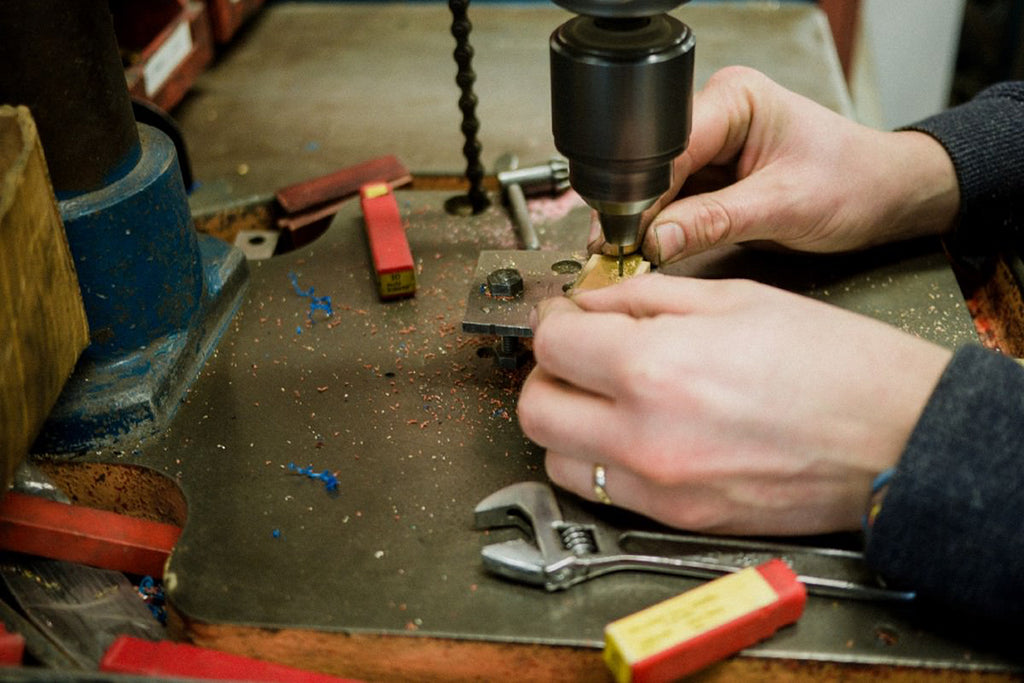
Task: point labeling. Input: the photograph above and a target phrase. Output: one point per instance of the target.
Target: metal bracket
(492, 307)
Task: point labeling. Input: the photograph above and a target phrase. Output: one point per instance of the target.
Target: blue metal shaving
(153, 595)
(316, 303)
(330, 481)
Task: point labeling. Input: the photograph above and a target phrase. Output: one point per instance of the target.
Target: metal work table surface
(383, 579)
(417, 423)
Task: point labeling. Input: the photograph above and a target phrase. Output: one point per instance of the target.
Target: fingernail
(670, 240)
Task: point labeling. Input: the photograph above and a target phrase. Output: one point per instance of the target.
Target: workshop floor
(308, 88)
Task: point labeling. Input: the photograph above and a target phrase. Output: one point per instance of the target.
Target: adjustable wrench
(563, 553)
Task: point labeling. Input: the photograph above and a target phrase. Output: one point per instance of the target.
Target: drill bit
(621, 260)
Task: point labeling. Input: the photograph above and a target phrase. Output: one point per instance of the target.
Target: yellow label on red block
(398, 283)
(374, 190)
(651, 631)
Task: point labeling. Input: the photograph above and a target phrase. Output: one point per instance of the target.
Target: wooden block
(389, 247)
(601, 271)
(43, 326)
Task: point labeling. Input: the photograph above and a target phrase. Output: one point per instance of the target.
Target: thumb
(595, 238)
(548, 307)
(741, 212)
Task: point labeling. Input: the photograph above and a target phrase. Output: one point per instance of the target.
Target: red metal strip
(136, 656)
(73, 533)
(340, 184)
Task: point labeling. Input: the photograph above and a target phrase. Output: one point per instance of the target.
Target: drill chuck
(621, 94)
(619, 8)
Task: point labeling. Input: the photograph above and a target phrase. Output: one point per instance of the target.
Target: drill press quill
(621, 97)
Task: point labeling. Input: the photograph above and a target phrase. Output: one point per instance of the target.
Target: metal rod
(61, 60)
(465, 78)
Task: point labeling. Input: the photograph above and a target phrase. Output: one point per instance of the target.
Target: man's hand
(807, 178)
(723, 406)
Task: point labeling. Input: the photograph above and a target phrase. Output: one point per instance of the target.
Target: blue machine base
(134, 395)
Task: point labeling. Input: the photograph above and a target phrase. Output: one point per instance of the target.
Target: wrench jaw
(520, 561)
(516, 560)
(530, 506)
(502, 516)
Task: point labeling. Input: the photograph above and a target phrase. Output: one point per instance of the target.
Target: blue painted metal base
(157, 295)
(137, 394)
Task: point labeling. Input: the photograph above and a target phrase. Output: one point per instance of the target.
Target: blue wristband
(882, 480)
(878, 486)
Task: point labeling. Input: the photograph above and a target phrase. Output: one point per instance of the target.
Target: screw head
(505, 282)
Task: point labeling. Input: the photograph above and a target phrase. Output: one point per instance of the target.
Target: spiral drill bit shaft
(465, 78)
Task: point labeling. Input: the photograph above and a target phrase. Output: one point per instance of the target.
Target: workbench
(307, 88)
(381, 578)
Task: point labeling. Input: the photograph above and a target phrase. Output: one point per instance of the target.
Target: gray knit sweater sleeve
(951, 525)
(985, 140)
(952, 522)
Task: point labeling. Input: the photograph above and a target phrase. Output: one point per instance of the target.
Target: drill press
(621, 96)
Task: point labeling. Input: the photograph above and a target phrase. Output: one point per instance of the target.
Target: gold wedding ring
(600, 481)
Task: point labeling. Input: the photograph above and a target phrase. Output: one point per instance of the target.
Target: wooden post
(42, 321)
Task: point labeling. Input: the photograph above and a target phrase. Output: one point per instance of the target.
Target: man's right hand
(807, 178)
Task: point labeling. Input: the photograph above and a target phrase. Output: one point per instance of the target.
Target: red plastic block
(389, 247)
(12, 647)
(136, 656)
(73, 533)
(686, 633)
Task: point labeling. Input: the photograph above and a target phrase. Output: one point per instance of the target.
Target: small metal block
(545, 274)
(505, 282)
(257, 244)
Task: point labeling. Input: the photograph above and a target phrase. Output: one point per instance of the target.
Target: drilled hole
(566, 267)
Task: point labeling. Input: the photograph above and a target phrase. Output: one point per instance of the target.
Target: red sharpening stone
(343, 183)
(136, 656)
(389, 247)
(704, 625)
(73, 533)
